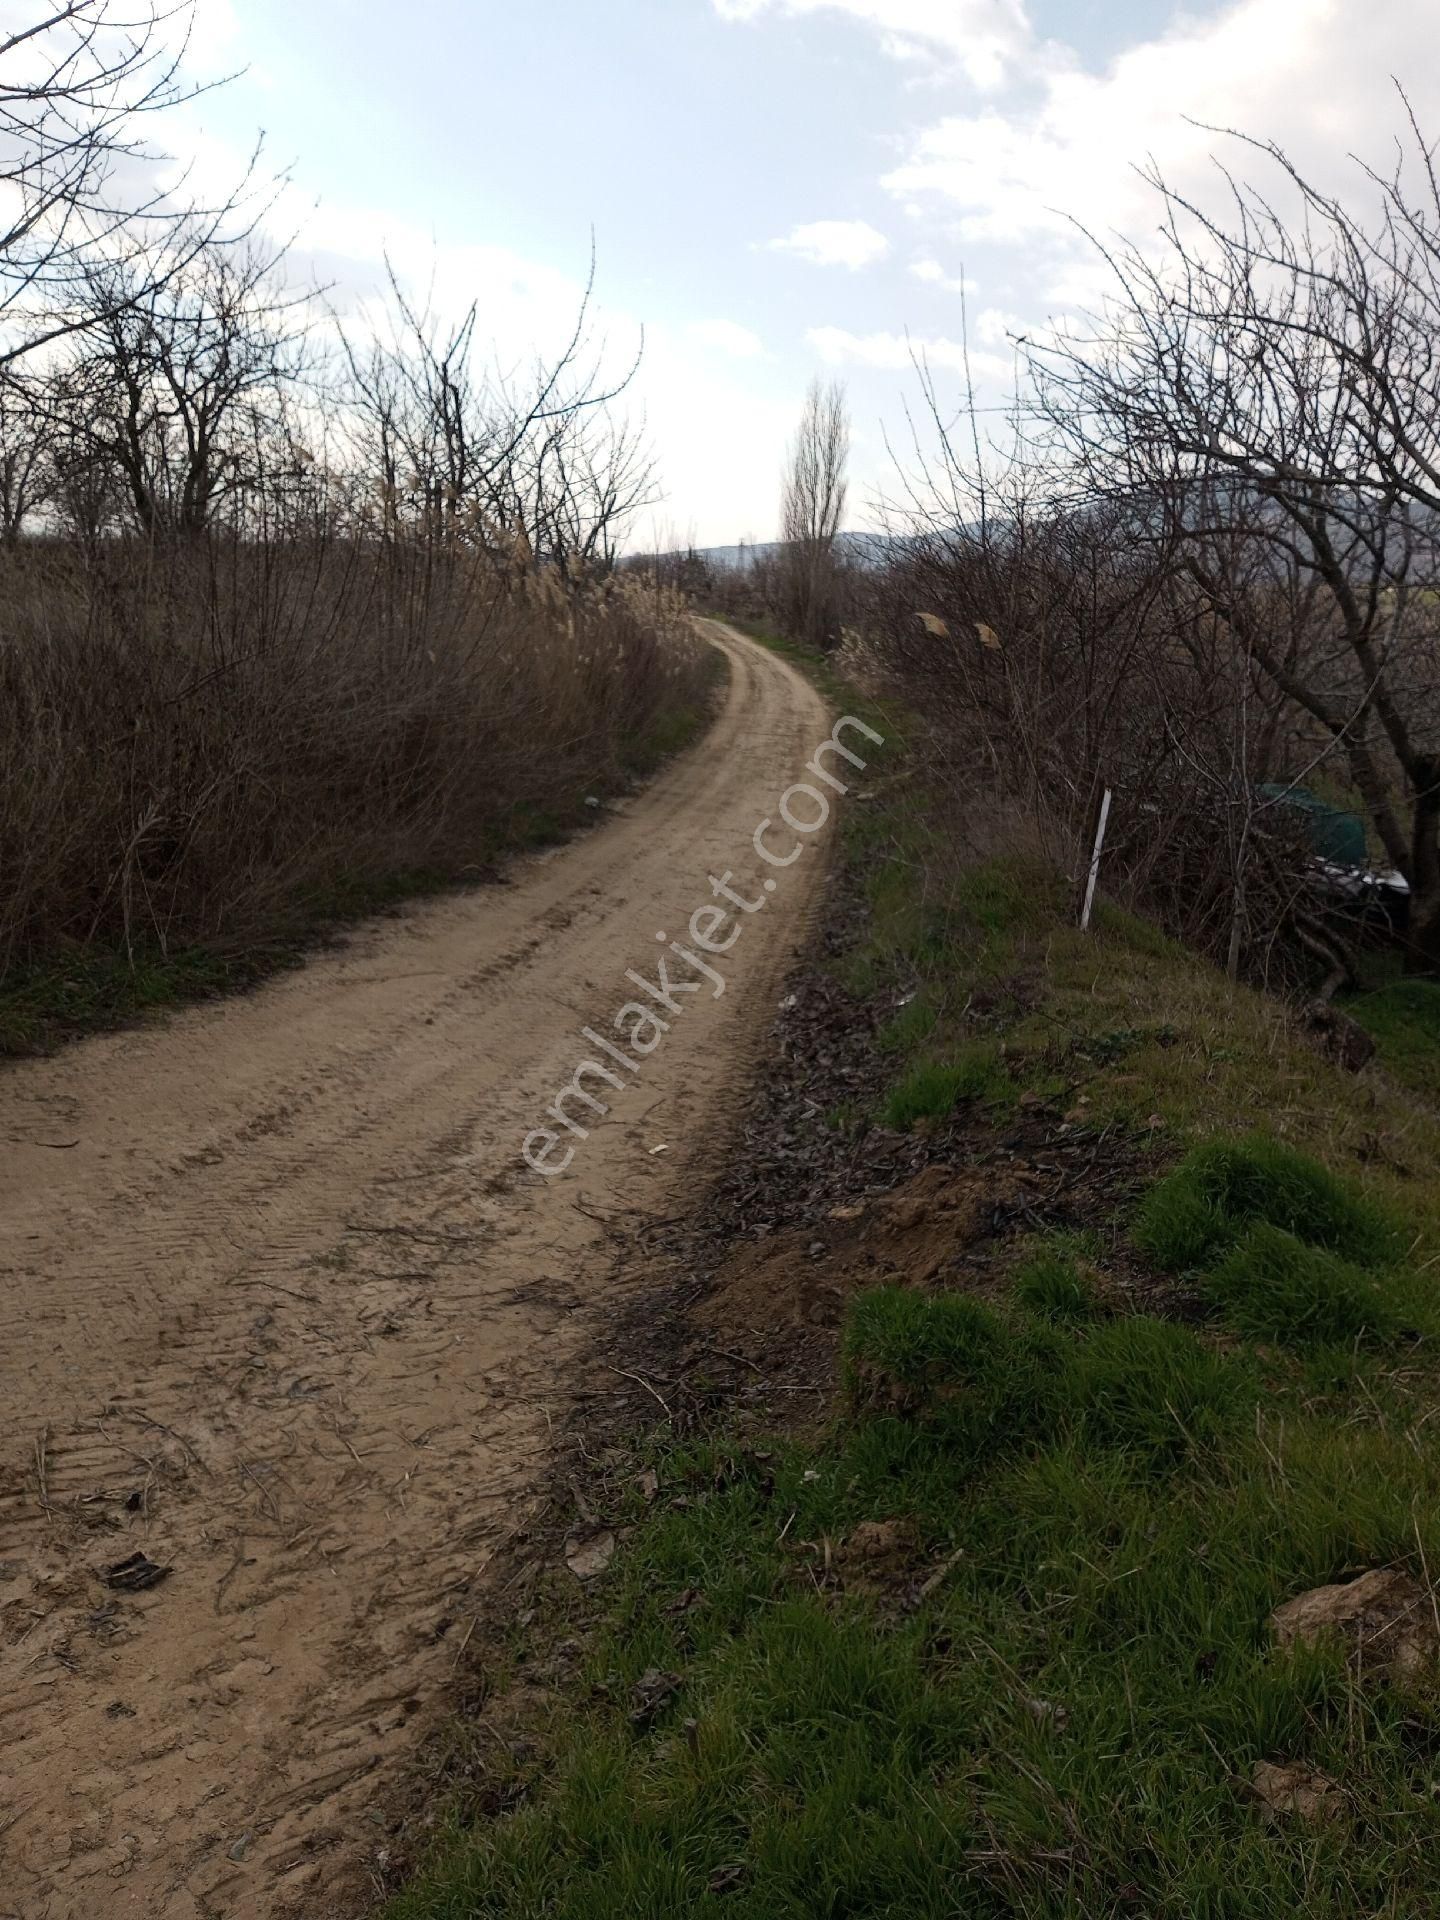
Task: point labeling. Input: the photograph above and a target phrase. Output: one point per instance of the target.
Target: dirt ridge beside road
(291, 1320)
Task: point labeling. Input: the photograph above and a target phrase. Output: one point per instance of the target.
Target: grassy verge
(1403, 1017)
(87, 986)
(994, 1638)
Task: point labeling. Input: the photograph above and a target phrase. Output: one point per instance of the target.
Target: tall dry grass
(204, 745)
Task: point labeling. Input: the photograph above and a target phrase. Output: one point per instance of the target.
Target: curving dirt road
(287, 1315)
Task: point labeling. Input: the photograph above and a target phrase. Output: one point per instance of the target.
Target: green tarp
(1336, 836)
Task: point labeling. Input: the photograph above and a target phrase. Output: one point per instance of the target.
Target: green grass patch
(1272, 1286)
(85, 988)
(1284, 1249)
(1157, 1391)
(1226, 1186)
(1404, 1019)
(674, 728)
(1061, 1727)
(950, 1362)
(908, 1030)
(935, 1088)
(89, 987)
(1051, 1285)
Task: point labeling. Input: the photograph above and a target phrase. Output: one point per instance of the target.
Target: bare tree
(78, 85)
(26, 474)
(812, 507)
(176, 378)
(1260, 403)
(537, 465)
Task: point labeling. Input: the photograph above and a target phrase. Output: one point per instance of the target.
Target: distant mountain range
(862, 549)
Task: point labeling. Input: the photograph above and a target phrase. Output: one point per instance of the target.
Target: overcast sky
(776, 187)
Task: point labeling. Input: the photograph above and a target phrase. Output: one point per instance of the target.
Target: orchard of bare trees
(1199, 566)
(290, 609)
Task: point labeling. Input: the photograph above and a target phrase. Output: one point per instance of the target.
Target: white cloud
(729, 337)
(986, 37)
(835, 243)
(892, 351)
(901, 352)
(934, 275)
(1313, 74)
(993, 326)
(988, 181)
(211, 38)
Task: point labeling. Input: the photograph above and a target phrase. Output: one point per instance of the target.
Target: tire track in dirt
(292, 1319)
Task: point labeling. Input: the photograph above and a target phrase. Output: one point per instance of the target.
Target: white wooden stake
(1095, 860)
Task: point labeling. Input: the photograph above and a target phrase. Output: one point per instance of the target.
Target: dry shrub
(1050, 657)
(204, 744)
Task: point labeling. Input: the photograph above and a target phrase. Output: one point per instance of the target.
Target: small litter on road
(135, 1574)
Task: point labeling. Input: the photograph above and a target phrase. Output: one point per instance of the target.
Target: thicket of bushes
(205, 745)
(1200, 567)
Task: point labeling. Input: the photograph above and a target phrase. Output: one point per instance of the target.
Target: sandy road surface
(289, 1316)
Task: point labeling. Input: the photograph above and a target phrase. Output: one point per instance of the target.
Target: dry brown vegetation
(293, 614)
(1200, 566)
(201, 745)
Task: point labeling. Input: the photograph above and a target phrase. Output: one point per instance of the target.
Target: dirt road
(286, 1313)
